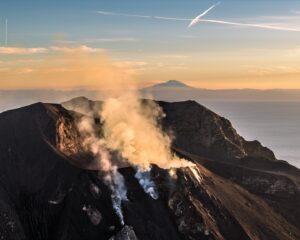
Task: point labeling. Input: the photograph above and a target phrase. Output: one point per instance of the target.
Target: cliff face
(202, 132)
(49, 188)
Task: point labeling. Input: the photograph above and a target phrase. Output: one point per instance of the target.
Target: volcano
(50, 187)
(169, 84)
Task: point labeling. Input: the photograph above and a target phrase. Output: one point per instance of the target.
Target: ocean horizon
(274, 124)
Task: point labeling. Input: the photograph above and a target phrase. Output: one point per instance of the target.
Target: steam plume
(130, 127)
(111, 177)
(146, 183)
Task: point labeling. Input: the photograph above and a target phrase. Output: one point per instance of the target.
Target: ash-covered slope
(49, 189)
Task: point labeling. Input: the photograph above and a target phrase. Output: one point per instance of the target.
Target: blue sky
(37, 23)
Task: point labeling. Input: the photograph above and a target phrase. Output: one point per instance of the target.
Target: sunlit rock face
(50, 187)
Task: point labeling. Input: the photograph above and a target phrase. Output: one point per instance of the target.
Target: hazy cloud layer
(15, 50)
(26, 51)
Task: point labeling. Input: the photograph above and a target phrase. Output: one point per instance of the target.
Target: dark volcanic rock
(127, 233)
(255, 149)
(49, 188)
(200, 131)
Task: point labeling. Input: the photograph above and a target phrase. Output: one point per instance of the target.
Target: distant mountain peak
(175, 83)
(171, 84)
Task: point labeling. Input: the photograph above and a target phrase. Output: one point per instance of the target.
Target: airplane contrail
(194, 21)
(198, 18)
(123, 14)
(271, 27)
(142, 16)
(172, 18)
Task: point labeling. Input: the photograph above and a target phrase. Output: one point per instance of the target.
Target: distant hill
(169, 84)
(174, 90)
(18, 98)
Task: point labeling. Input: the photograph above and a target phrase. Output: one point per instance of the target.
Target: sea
(275, 124)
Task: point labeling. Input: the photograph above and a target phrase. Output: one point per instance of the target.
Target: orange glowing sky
(51, 48)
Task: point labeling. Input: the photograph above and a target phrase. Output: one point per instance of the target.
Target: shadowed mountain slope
(50, 189)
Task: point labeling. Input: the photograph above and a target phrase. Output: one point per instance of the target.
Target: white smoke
(144, 179)
(115, 181)
(111, 177)
(130, 128)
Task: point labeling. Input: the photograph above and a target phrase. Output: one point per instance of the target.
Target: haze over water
(274, 124)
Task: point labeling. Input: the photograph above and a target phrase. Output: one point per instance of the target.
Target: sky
(51, 43)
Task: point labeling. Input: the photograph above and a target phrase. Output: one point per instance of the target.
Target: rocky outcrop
(127, 233)
(200, 131)
(255, 149)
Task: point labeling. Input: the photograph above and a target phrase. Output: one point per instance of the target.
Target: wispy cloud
(172, 66)
(99, 40)
(174, 56)
(262, 71)
(21, 51)
(123, 14)
(82, 48)
(143, 16)
(254, 25)
(132, 67)
(278, 26)
(24, 71)
(103, 40)
(284, 18)
(171, 18)
(291, 52)
(28, 51)
(80, 66)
